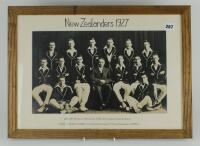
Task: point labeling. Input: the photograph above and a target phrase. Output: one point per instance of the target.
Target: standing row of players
(137, 79)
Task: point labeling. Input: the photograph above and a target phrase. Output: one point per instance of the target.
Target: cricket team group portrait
(99, 72)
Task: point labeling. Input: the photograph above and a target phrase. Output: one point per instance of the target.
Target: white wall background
(4, 141)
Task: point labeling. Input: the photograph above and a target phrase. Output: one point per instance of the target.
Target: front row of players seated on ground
(135, 91)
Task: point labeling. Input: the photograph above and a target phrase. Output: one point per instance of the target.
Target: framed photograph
(99, 72)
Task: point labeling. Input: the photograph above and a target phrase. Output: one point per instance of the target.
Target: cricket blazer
(64, 94)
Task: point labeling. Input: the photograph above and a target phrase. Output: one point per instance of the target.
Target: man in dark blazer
(61, 70)
(143, 97)
(157, 71)
(80, 75)
(91, 55)
(109, 54)
(70, 54)
(61, 96)
(135, 73)
(101, 80)
(157, 74)
(44, 78)
(129, 52)
(121, 82)
(146, 54)
(51, 55)
(137, 69)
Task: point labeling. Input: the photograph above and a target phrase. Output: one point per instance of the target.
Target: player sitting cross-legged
(61, 96)
(143, 97)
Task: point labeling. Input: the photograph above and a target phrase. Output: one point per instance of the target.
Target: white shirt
(101, 69)
(147, 51)
(109, 50)
(51, 53)
(120, 66)
(80, 66)
(156, 66)
(138, 65)
(61, 68)
(43, 68)
(61, 87)
(92, 49)
(128, 51)
(71, 51)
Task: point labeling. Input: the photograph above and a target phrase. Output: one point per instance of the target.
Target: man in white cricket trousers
(120, 78)
(44, 78)
(61, 96)
(158, 78)
(136, 71)
(143, 96)
(81, 85)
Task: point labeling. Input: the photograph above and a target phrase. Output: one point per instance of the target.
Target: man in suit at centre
(102, 82)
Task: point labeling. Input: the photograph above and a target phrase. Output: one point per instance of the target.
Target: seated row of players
(139, 82)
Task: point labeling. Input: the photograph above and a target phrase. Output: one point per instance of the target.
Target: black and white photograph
(99, 72)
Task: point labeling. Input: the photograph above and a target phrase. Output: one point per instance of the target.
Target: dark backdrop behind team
(40, 40)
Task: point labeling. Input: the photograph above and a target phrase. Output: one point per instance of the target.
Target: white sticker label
(169, 26)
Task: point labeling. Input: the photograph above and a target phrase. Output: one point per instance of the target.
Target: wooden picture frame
(13, 130)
